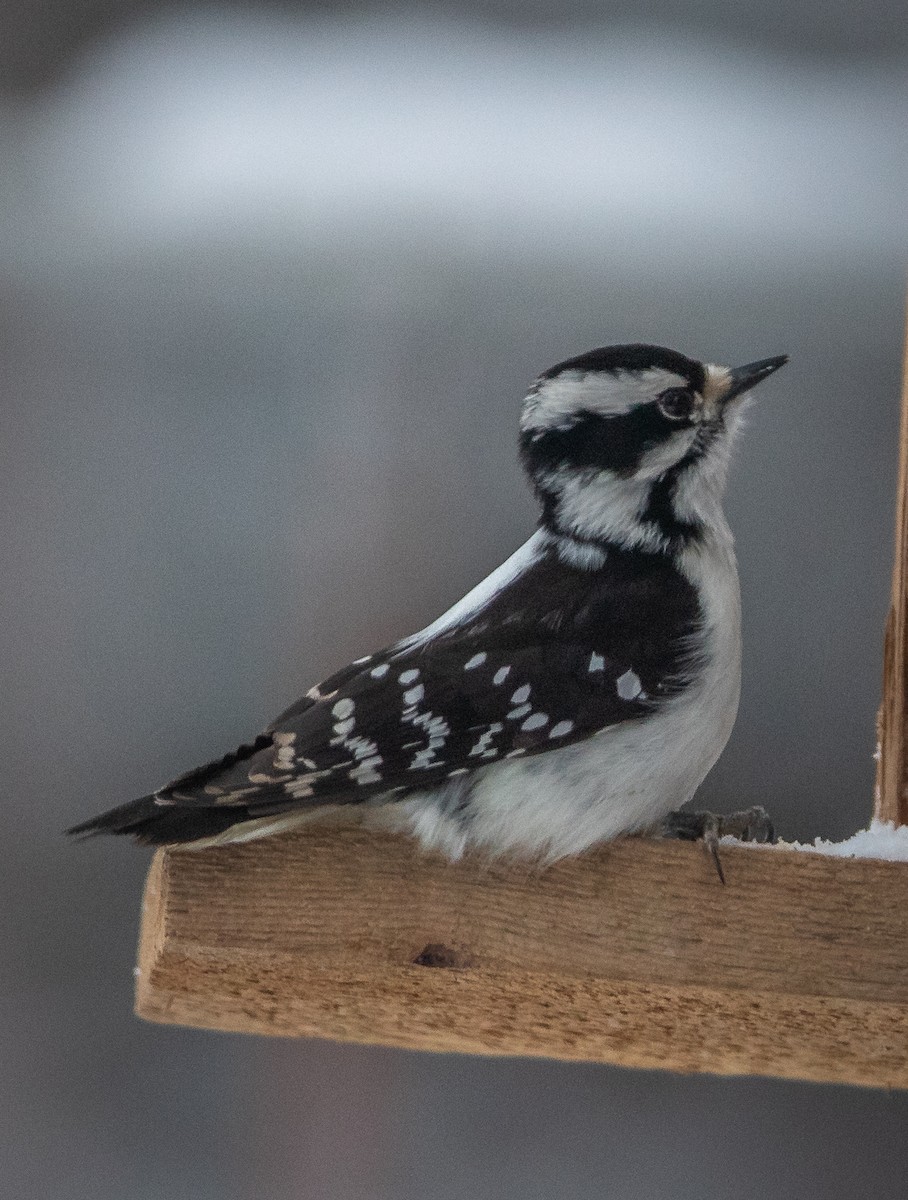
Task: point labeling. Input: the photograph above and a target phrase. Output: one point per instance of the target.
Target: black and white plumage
(581, 692)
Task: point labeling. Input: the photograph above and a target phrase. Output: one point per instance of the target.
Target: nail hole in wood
(437, 954)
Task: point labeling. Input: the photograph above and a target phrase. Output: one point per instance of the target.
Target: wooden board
(635, 954)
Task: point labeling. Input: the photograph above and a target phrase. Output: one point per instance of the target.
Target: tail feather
(155, 820)
(155, 824)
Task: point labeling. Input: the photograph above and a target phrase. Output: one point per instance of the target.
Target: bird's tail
(155, 824)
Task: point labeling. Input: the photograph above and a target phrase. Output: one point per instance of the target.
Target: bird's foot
(749, 825)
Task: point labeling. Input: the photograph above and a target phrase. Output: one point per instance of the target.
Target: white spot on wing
(516, 713)
(561, 729)
(285, 758)
(424, 760)
(408, 676)
(597, 662)
(521, 695)
(476, 661)
(628, 685)
(414, 695)
(501, 675)
(365, 772)
(380, 670)
(362, 747)
(536, 721)
(482, 747)
(343, 708)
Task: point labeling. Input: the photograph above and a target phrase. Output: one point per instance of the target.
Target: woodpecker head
(630, 444)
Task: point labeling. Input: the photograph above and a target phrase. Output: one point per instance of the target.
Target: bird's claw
(748, 825)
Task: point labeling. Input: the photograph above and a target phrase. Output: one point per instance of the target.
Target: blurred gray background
(273, 281)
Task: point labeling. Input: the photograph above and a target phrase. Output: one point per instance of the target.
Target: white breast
(622, 780)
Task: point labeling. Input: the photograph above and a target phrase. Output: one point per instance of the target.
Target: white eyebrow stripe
(610, 394)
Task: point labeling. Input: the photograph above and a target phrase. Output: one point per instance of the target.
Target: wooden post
(892, 767)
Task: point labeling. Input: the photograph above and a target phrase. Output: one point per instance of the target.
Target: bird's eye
(677, 404)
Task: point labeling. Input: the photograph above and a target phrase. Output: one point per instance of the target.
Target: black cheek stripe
(614, 443)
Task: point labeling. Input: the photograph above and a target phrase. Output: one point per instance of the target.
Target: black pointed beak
(748, 376)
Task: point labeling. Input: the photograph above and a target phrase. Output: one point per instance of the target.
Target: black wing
(553, 657)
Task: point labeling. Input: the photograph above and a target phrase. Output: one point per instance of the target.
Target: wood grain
(635, 954)
(892, 769)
